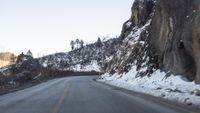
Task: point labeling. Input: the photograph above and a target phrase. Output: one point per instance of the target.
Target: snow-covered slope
(158, 37)
(174, 88)
(88, 58)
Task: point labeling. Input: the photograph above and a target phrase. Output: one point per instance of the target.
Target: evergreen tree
(29, 53)
(19, 57)
(99, 43)
(82, 43)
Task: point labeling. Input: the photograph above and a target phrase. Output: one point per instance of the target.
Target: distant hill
(6, 58)
(91, 57)
(88, 59)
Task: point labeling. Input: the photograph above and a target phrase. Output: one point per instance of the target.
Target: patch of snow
(3, 69)
(135, 33)
(45, 64)
(142, 42)
(109, 58)
(12, 82)
(173, 88)
(128, 24)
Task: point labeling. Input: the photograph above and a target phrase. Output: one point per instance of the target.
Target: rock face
(25, 69)
(174, 36)
(161, 34)
(134, 39)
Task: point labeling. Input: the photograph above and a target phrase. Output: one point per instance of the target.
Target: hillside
(157, 37)
(87, 60)
(90, 57)
(159, 51)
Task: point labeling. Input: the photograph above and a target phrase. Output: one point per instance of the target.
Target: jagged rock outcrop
(25, 69)
(134, 42)
(161, 34)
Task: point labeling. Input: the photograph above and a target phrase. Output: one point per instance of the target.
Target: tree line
(76, 44)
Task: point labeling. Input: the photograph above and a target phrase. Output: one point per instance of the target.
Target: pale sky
(48, 26)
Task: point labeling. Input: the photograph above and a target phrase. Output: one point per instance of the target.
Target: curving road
(83, 95)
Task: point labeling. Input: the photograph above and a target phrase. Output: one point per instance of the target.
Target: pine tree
(99, 43)
(82, 43)
(19, 57)
(29, 53)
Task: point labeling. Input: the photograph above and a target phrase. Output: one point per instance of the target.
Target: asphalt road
(84, 95)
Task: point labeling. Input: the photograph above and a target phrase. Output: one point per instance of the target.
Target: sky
(48, 26)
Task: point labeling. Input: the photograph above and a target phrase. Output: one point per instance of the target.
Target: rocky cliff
(175, 37)
(161, 34)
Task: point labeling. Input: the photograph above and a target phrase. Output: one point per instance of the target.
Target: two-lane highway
(82, 95)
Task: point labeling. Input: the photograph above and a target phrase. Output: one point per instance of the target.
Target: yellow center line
(61, 100)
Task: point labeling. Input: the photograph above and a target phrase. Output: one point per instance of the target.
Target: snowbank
(172, 88)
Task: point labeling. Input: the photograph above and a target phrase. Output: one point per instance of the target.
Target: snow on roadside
(173, 88)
